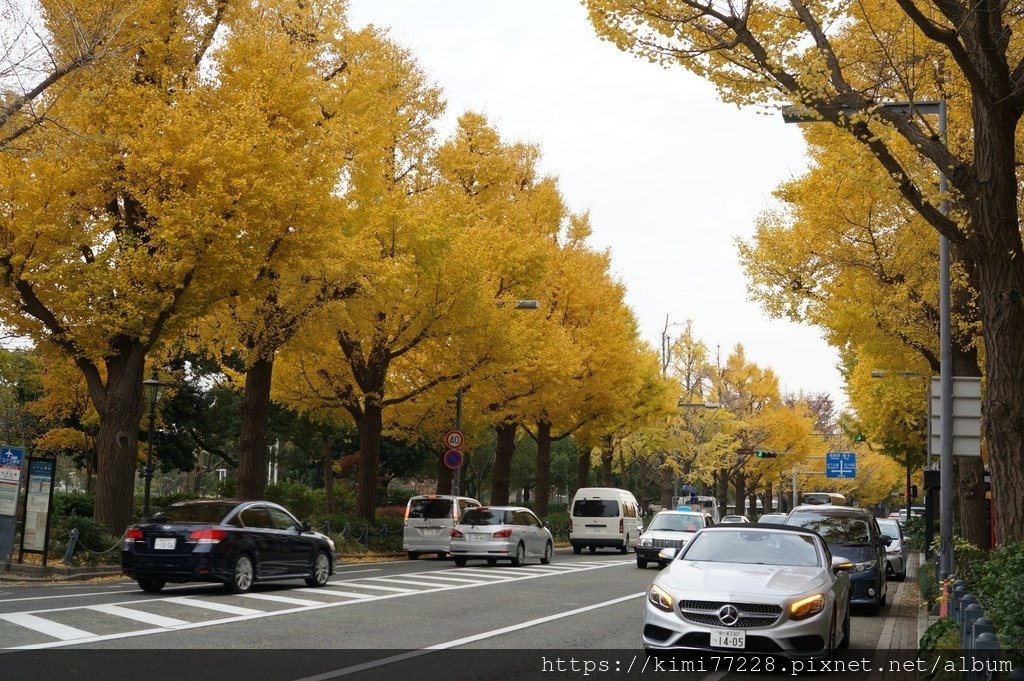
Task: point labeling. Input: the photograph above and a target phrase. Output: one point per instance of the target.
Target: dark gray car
(851, 533)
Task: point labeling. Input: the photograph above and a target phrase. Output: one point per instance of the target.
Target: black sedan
(232, 542)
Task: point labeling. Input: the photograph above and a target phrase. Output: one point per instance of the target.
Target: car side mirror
(885, 540)
(667, 554)
(841, 564)
(306, 527)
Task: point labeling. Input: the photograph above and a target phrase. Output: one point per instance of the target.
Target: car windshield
(676, 522)
(430, 508)
(761, 547)
(595, 508)
(207, 513)
(486, 516)
(836, 529)
(889, 527)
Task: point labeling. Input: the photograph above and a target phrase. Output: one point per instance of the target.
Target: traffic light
(859, 437)
(765, 454)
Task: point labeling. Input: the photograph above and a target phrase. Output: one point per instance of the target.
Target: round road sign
(453, 439)
(453, 459)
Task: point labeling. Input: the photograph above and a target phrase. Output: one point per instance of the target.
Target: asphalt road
(579, 616)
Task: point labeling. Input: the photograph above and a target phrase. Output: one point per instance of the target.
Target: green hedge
(998, 583)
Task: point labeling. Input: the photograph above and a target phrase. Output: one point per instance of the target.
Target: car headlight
(805, 607)
(660, 598)
(893, 552)
(645, 541)
(862, 567)
(330, 542)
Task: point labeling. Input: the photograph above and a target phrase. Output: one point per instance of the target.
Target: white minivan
(604, 517)
(429, 519)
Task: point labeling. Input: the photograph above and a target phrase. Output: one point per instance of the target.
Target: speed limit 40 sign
(453, 439)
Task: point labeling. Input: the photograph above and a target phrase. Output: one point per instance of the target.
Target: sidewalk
(906, 620)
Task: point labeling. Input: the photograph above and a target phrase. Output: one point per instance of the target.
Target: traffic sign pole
(457, 474)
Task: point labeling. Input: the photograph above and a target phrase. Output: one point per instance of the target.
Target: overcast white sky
(670, 174)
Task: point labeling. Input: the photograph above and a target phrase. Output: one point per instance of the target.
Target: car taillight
(456, 533)
(132, 534)
(206, 536)
(503, 534)
(622, 524)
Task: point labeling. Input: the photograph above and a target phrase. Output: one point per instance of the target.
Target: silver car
(498, 533)
(751, 589)
(668, 530)
(896, 551)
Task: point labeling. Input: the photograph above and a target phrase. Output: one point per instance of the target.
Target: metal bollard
(958, 592)
(984, 657)
(983, 625)
(69, 552)
(969, 615)
(968, 599)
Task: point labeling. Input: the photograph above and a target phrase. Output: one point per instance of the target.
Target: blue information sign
(840, 464)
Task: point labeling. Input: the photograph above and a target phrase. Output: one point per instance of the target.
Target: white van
(604, 517)
(429, 520)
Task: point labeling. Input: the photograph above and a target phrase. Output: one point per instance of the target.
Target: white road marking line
(137, 615)
(44, 626)
(257, 614)
(345, 671)
(210, 605)
(412, 582)
(471, 580)
(328, 591)
(396, 589)
(279, 599)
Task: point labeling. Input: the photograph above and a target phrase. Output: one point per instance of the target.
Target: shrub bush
(999, 586)
(73, 503)
(913, 531)
(95, 546)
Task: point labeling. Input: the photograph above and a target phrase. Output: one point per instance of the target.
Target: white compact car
(496, 533)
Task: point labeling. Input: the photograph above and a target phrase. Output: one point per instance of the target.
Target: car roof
(747, 527)
(488, 507)
(833, 511)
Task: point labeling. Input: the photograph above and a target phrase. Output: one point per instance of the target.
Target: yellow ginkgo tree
(161, 191)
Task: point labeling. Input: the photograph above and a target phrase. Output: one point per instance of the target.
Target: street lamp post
(798, 115)
(153, 388)
(529, 304)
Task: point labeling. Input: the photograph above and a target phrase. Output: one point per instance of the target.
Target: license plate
(430, 531)
(163, 543)
(728, 638)
(478, 537)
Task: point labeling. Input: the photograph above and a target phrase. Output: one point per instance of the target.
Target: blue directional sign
(840, 464)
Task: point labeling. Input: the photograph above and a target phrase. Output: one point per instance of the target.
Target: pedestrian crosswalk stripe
(212, 605)
(138, 615)
(329, 591)
(280, 599)
(396, 589)
(45, 626)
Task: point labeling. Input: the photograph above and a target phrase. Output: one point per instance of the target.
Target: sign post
(840, 464)
(35, 527)
(11, 459)
(454, 458)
